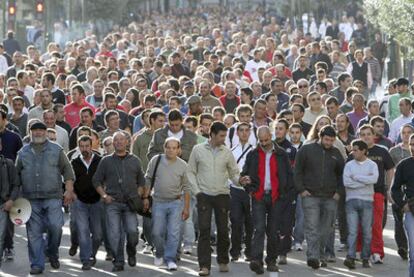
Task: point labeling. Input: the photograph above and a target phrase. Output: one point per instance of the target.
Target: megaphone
(20, 212)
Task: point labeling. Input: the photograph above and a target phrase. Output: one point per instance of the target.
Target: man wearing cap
(40, 167)
(208, 101)
(393, 103)
(177, 68)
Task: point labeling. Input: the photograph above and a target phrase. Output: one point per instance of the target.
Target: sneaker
(298, 247)
(235, 258)
(86, 266)
(224, 268)
(376, 259)
(342, 247)
(36, 271)
(403, 253)
(109, 257)
(331, 259)
(132, 261)
(148, 250)
(272, 268)
(204, 271)
(366, 263)
(158, 261)
(8, 254)
(171, 266)
(257, 267)
(54, 263)
(188, 250)
(282, 260)
(349, 263)
(117, 268)
(314, 263)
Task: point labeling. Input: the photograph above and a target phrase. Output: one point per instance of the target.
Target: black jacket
(250, 168)
(318, 170)
(9, 186)
(84, 189)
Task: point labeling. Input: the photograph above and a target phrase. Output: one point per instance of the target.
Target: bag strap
(157, 163)
(231, 135)
(244, 153)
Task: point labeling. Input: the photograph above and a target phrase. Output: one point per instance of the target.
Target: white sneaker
(172, 266)
(148, 250)
(376, 259)
(342, 247)
(298, 246)
(187, 250)
(158, 261)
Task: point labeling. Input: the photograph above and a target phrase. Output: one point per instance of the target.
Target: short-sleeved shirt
(382, 158)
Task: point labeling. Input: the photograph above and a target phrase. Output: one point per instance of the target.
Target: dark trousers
(399, 232)
(286, 221)
(240, 218)
(205, 206)
(266, 217)
(8, 239)
(342, 223)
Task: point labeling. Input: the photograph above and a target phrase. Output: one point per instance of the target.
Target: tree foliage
(393, 17)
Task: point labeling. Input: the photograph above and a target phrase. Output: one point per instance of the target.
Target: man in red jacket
(268, 176)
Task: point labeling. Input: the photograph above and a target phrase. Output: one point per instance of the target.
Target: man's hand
(336, 196)
(406, 208)
(108, 199)
(146, 204)
(245, 180)
(7, 206)
(68, 197)
(389, 197)
(305, 193)
(185, 214)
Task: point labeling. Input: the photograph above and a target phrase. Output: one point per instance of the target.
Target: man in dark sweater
(318, 179)
(402, 192)
(87, 207)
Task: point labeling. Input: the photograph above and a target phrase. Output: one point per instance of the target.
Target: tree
(395, 18)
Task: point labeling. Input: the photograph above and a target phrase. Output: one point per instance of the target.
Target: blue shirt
(10, 144)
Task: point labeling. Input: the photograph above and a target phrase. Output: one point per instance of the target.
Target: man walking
(87, 208)
(40, 166)
(210, 166)
(167, 173)
(118, 178)
(318, 179)
(359, 178)
(268, 176)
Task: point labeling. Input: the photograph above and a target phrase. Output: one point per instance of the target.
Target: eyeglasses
(304, 86)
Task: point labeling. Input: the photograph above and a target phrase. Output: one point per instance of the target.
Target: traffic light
(40, 6)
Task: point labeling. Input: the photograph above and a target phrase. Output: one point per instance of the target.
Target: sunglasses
(304, 86)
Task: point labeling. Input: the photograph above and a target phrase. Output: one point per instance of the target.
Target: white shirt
(235, 139)
(237, 152)
(3, 65)
(397, 124)
(267, 182)
(178, 135)
(62, 138)
(87, 165)
(252, 67)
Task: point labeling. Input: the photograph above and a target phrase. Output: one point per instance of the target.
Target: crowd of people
(243, 132)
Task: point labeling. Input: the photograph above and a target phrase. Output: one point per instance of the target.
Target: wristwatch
(105, 196)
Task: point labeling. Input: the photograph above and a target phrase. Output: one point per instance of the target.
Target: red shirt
(72, 112)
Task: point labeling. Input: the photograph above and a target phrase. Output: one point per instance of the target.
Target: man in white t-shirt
(253, 65)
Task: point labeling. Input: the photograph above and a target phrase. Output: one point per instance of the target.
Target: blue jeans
(187, 227)
(120, 221)
(298, 232)
(166, 227)
(319, 215)
(359, 212)
(409, 228)
(4, 218)
(88, 222)
(47, 215)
